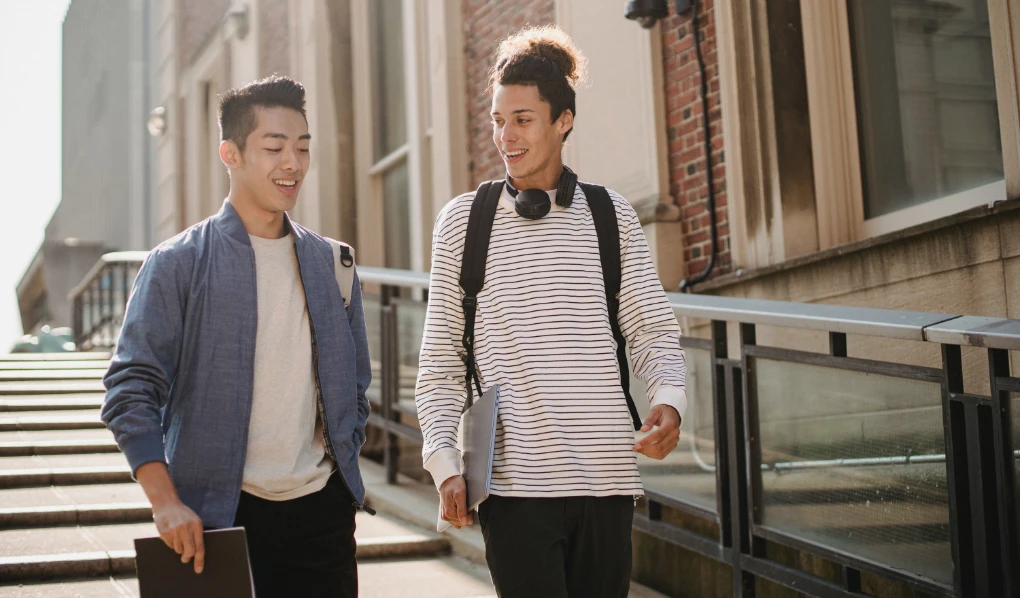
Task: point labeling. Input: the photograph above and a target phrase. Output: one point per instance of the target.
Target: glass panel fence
(373, 326)
(688, 473)
(856, 461)
(410, 325)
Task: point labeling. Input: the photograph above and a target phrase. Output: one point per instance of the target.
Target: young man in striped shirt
(564, 475)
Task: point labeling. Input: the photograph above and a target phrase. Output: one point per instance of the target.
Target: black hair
(237, 106)
(545, 57)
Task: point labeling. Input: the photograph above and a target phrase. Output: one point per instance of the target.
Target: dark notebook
(227, 573)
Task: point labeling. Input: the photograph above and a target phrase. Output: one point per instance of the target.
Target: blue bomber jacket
(179, 387)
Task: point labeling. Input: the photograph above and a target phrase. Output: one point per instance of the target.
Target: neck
(546, 178)
(257, 221)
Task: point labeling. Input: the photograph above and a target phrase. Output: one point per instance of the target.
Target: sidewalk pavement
(418, 503)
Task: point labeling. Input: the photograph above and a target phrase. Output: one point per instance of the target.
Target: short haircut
(237, 106)
(545, 57)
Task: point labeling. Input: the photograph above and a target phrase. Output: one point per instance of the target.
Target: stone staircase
(69, 511)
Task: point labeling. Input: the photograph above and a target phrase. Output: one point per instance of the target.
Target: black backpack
(476, 250)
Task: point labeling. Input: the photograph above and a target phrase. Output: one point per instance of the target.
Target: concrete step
(51, 402)
(54, 516)
(85, 551)
(33, 442)
(58, 447)
(445, 577)
(46, 387)
(121, 586)
(54, 357)
(78, 364)
(72, 419)
(83, 496)
(64, 476)
(51, 374)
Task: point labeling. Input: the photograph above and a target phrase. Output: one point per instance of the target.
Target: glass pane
(856, 461)
(410, 325)
(688, 473)
(373, 326)
(388, 76)
(926, 105)
(397, 217)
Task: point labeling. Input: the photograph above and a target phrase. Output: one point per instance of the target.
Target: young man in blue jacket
(237, 389)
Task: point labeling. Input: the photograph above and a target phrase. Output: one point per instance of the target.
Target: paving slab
(448, 577)
(87, 434)
(53, 496)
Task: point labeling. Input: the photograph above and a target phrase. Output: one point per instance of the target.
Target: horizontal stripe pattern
(542, 334)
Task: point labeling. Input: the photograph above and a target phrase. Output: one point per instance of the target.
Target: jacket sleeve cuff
(143, 449)
(443, 465)
(673, 396)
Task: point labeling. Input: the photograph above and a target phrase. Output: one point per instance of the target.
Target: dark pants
(302, 547)
(558, 547)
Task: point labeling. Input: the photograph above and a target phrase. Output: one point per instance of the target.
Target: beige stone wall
(274, 43)
(199, 19)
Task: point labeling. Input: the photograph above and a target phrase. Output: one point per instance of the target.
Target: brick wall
(688, 182)
(486, 22)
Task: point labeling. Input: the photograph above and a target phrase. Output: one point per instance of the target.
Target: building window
(391, 150)
(927, 116)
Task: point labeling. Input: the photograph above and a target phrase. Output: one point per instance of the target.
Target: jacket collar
(229, 222)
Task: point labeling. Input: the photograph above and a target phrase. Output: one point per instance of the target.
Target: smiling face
(527, 138)
(267, 175)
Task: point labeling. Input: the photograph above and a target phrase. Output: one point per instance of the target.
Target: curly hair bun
(548, 42)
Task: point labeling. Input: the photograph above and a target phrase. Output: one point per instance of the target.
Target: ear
(230, 154)
(566, 122)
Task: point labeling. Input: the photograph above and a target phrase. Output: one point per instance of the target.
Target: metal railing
(874, 466)
(100, 298)
(880, 471)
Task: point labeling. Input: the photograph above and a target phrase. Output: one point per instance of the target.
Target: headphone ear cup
(532, 203)
(565, 191)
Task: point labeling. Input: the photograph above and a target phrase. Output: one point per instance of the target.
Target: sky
(30, 120)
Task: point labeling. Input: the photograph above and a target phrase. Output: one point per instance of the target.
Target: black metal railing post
(390, 380)
(751, 472)
(1005, 464)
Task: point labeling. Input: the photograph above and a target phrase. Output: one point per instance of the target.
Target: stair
(69, 511)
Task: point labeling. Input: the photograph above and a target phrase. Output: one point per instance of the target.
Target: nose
(289, 160)
(508, 134)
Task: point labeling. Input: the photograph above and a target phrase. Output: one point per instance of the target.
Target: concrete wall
(103, 138)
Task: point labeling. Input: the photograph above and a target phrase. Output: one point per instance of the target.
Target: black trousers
(558, 547)
(302, 547)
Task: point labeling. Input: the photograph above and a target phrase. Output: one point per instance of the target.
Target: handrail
(997, 333)
(116, 257)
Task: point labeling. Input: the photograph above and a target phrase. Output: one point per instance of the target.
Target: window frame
(839, 180)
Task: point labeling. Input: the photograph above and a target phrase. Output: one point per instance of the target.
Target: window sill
(741, 276)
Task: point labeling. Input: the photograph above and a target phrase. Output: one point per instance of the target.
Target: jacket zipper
(320, 404)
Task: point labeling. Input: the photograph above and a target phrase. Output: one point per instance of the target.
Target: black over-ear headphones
(534, 203)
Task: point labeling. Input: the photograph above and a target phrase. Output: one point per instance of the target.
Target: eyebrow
(518, 111)
(284, 137)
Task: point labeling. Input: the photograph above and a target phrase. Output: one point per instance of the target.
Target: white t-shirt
(286, 457)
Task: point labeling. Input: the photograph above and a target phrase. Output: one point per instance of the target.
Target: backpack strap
(472, 271)
(604, 214)
(343, 263)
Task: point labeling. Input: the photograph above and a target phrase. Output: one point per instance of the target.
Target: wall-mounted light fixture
(156, 123)
(237, 22)
(648, 12)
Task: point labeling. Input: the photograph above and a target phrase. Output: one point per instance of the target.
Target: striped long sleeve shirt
(542, 333)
